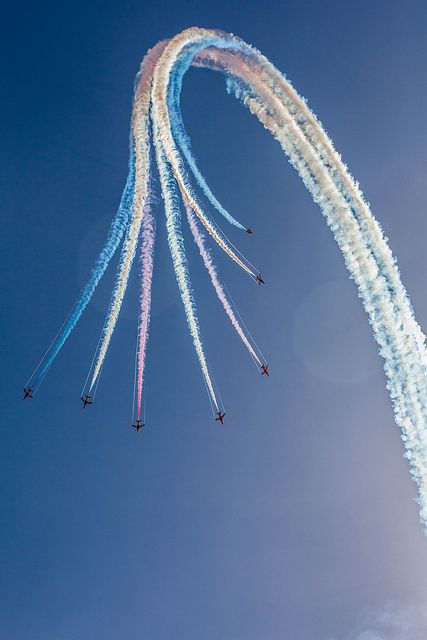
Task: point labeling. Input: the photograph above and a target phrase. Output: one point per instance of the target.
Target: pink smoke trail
(210, 266)
(148, 235)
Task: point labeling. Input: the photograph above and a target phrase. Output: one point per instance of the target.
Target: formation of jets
(220, 415)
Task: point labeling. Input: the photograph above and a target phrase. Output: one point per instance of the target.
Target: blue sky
(296, 519)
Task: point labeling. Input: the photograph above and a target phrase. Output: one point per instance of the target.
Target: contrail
(210, 267)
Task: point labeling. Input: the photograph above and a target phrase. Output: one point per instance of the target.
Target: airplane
(28, 393)
(220, 416)
(138, 425)
(264, 370)
(249, 230)
(259, 279)
(86, 400)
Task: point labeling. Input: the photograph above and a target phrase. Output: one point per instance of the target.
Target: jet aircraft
(86, 400)
(264, 370)
(28, 393)
(220, 417)
(139, 424)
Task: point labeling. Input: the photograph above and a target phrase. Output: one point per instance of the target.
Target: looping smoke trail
(285, 114)
(210, 267)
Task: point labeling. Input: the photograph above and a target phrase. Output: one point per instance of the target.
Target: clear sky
(297, 519)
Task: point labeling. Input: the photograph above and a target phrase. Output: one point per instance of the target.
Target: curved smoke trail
(366, 253)
(183, 139)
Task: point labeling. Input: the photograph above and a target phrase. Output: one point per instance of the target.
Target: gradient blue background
(297, 518)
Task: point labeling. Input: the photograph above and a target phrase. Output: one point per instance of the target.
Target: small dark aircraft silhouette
(259, 279)
(264, 370)
(249, 230)
(28, 393)
(220, 417)
(86, 400)
(138, 425)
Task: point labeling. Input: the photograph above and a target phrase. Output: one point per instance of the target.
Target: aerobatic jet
(264, 370)
(249, 230)
(86, 400)
(138, 425)
(28, 393)
(259, 279)
(220, 416)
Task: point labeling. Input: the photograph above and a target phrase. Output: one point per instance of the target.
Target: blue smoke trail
(182, 138)
(115, 234)
(178, 128)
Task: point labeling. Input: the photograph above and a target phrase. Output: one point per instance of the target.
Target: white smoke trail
(204, 252)
(148, 235)
(176, 245)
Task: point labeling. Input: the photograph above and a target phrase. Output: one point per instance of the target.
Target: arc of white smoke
(314, 133)
(401, 366)
(176, 245)
(204, 252)
(383, 319)
(141, 133)
(148, 234)
(395, 329)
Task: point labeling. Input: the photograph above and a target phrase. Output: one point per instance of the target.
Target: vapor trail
(210, 267)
